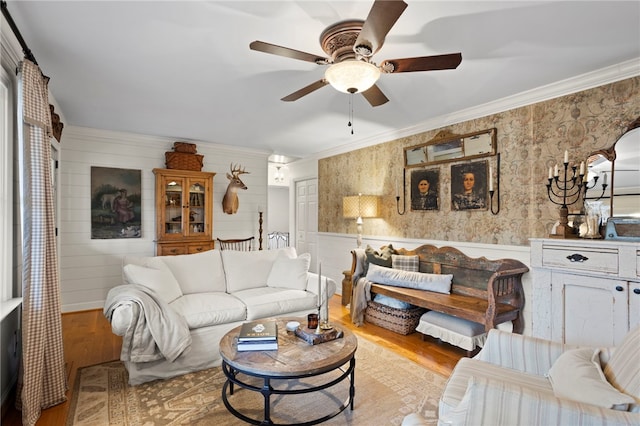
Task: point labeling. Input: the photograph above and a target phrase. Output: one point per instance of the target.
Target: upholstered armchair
(521, 380)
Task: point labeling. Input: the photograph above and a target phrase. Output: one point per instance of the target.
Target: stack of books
(258, 336)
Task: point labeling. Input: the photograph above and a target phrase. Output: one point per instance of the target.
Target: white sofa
(172, 311)
(521, 380)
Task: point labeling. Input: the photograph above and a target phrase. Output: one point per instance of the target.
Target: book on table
(259, 345)
(258, 331)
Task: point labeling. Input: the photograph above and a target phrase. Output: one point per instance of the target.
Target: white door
(307, 219)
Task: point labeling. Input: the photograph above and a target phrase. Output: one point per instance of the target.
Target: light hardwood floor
(88, 340)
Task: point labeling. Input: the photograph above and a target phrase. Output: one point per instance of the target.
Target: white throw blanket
(156, 330)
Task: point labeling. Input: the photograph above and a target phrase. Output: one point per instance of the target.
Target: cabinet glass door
(173, 207)
(196, 222)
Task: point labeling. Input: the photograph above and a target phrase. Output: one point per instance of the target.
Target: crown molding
(579, 83)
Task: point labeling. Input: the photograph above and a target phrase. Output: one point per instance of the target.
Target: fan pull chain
(350, 124)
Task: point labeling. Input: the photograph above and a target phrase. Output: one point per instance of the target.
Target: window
(8, 291)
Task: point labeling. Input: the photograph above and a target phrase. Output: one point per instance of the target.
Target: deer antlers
(235, 170)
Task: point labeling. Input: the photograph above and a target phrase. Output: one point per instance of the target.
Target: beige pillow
(577, 375)
(161, 282)
(290, 273)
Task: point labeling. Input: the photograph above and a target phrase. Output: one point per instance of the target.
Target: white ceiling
(183, 69)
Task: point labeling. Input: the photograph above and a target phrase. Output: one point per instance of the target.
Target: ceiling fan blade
(261, 46)
(375, 96)
(382, 16)
(305, 91)
(422, 63)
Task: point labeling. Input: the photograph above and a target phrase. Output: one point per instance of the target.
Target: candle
(604, 179)
(259, 208)
(550, 172)
(490, 178)
(319, 285)
(555, 171)
(582, 168)
(397, 193)
(566, 156)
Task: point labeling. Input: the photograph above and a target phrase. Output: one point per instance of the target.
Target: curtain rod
(25, 49)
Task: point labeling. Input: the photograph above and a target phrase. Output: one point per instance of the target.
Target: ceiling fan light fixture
(348, 75)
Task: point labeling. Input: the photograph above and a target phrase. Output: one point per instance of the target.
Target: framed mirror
(619, 168)
(447, 147)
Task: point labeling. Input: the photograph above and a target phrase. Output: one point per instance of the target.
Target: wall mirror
(446, 147)
(619, 167)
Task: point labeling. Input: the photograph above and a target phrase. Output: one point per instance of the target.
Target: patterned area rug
(388, 387)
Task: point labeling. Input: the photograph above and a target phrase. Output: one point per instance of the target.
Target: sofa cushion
(204, 309)
(440, 283)
(161, 281)
(623, 369)
(199, 272)
(250, 269)
(577, 375)
(290, 273)
(269, 301)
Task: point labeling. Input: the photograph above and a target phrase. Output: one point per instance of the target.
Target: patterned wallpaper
(529, 139)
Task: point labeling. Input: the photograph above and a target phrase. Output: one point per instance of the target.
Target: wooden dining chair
(245, 244)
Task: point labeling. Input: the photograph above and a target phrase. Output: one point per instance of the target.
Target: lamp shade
(352, 76)
(356, 206)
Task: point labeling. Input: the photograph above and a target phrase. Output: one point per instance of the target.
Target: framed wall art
(425, 187)
(447, 147)
(116, 208)
(469, 186)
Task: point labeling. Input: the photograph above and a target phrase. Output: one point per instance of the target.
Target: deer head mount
(230, 200)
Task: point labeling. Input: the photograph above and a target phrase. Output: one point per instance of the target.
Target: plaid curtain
(42, 382)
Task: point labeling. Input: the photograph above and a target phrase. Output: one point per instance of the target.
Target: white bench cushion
(457, 331)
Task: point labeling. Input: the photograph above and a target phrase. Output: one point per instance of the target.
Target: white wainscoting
(335, 256)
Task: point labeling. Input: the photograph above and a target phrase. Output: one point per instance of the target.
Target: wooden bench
(484, 291)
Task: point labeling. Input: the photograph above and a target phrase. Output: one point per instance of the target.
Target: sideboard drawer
(581, 259)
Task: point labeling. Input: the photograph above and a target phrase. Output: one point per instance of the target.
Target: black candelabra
(565, 192)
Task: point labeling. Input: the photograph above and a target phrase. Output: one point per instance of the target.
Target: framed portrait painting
(469, 186)
(425, 185)
(116, 208)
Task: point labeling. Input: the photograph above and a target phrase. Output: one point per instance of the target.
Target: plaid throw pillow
(405, 263)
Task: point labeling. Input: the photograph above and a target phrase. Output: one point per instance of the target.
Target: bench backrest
(470, 275)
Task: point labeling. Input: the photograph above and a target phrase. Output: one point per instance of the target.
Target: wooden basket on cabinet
(183, 161)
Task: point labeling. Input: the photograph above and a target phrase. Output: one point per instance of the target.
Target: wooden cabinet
(585, 292)
(184, 211)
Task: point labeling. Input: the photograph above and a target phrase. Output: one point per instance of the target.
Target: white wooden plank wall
(89, 268)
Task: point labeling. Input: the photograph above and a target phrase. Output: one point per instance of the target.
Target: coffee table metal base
(267, 390)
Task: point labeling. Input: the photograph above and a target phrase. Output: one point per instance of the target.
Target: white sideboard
(585, 292)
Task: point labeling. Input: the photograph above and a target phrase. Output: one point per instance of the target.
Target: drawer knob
(619, 288)
(636, 290)
(199, 249)
(577, 257)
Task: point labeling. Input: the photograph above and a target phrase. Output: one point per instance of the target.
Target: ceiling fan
(350, 46)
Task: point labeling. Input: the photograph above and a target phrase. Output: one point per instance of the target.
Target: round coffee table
(294, 359)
